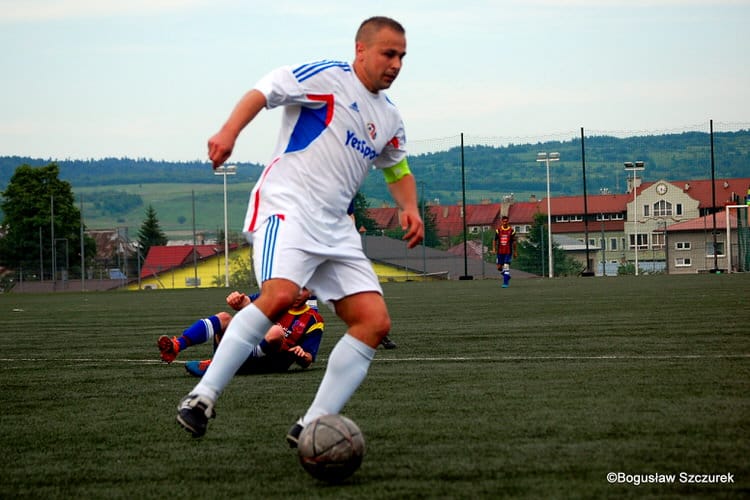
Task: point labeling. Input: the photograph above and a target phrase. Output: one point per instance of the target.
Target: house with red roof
(629, 227)
(691, 246)
(184, 266)
(385, 218)
(449, 219)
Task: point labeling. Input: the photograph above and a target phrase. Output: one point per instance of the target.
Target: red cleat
(169, 348)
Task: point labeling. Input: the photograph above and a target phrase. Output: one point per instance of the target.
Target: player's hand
(303, 359)
(220, 147)
(412, 223)
(235, 300)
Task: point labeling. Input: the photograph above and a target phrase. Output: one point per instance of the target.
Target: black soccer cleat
(292, 437)
(387, 343)
(193, 413)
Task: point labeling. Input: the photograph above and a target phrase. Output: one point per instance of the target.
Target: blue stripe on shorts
(269, 247)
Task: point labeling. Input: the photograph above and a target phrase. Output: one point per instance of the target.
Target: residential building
(178, 266)
(690, 245)
(620, 228)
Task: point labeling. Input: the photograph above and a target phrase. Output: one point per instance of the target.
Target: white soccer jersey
(333, 131)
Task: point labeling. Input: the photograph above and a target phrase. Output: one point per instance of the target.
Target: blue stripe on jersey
(269, 248)
(306, 71)
(310, 124)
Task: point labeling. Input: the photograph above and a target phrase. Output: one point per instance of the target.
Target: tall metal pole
(195, 242)
(52, 237)
(634, 166)
(713, 200)
(463, 210)
(546, 158)
(424, 247)
(541, 248)
(635, 221)
(41, 256)
(226, 236)
(549, 225)
(604, 249)
(226, 170)
(138, 261)
(83, 257)
(587, 271)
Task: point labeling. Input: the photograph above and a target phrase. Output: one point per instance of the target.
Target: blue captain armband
(396, 172)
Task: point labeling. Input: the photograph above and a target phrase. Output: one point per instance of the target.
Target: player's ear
(359, 48)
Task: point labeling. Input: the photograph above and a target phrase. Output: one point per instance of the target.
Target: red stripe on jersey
(256, 201)
(326, 98)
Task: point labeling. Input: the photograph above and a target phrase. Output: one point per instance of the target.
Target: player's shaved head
(371, 26)
(379, 51)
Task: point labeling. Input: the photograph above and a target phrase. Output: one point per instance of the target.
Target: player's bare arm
(221, 145)
(404, 193)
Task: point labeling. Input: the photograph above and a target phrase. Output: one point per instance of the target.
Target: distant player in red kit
(504, 245)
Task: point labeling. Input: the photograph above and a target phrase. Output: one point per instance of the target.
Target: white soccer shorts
(284, 248)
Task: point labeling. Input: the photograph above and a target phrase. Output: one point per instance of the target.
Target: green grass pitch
(536, 391)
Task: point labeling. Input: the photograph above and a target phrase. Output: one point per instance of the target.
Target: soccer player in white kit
(337, 125)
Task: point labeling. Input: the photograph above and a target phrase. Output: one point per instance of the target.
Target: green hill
(116, 191)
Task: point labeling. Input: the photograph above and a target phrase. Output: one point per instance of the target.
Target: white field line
(613, 357)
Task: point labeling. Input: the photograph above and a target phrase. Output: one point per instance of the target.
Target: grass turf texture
(535, 391)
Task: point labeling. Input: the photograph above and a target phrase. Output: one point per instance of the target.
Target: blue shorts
(504, 258)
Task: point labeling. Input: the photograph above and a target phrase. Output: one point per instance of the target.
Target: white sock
(244, 332)
(347, 367)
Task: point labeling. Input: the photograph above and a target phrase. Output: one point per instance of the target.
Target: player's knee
(224, 319)
(276, 302)
(381, 326)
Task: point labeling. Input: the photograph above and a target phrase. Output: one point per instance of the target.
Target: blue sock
(264, 346)
(199, 332)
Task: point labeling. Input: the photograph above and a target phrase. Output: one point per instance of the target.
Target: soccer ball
(331, 448)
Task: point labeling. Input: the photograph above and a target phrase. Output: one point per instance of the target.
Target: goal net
(738, 238)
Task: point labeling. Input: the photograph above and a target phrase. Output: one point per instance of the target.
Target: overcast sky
(154, 79)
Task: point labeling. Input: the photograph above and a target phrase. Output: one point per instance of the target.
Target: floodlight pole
(715, 270)
(466, 275)
(52, 237)
(633, 167)
(225, 170)
(424, 254)
(588, 271)
(729, 234)
(546, 158)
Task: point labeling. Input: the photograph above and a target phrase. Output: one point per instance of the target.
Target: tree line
(488, 169)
